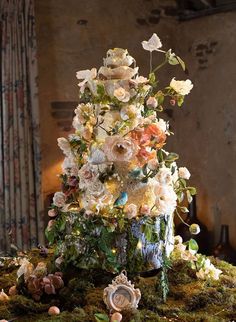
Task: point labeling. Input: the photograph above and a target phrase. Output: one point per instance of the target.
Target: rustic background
(74, 35)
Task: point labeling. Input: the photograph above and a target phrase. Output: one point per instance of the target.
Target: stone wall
(74, 35)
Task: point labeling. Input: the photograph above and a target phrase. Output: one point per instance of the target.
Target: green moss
(189, 299)
(5, 312)
(21, 305)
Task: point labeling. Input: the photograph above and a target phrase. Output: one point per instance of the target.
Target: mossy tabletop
(81, 298)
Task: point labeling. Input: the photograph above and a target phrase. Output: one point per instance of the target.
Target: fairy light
(113, 250)
(139, 244)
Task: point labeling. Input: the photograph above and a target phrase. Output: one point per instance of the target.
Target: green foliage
(149, 230)
(192, 245)
(101, 317)
(173, 59)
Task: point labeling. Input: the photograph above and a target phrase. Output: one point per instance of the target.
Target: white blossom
(64, 145)
(97, 156)
(165, 200)
(184, 173)
(181, 87)
(152, 102)
(154, 43)
(86, 76)
(164, 176)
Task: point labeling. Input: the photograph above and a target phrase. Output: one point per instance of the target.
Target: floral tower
(120, 188)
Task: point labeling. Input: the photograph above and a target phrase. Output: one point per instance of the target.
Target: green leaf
(152, 78)
(192, 245)
(182, 63)
(192, 190)
(171, 157)
(173, 59)
(100, 90)
(180, 100)
(148, 232)
(50, 235)
(160, 156)
(100, 317)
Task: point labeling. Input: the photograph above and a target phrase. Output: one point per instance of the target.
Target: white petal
(154, 43)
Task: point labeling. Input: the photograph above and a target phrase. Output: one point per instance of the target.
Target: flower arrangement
(120, 188)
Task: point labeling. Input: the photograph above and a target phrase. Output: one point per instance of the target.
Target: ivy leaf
(50, 235)
(100, 317)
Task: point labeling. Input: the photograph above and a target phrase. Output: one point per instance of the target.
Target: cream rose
(119, 149)
(184, 173)
(88, 174)
(181, 87)
(121, 94)
(165, 200)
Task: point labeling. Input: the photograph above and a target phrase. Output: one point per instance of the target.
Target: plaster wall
(74, 35)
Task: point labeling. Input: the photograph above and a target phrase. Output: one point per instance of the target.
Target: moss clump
(95, 297)
(5, 312)
(190, 299)
(22, 305)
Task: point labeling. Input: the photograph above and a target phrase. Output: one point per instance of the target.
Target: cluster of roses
(38, 281)
(203, 266)
(120, 135)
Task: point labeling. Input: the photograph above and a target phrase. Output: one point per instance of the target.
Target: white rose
(215, 272)
(69, 166)
(130, 112)
(97, 156)
(165, 200)
(162, 125)
(121, 94)
(59, 199)
(164, 176)
(64, 145)
(184, 173)
(152, 164)
(181, 87)
(131, 211)
(96, 188)
(88, 174)
(152, 102)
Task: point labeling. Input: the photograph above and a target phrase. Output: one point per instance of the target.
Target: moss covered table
(81, 298)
